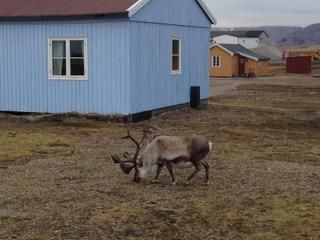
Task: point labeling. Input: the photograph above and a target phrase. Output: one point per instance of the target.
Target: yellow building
(233, 60)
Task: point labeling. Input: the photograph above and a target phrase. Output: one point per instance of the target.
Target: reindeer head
(131, 162)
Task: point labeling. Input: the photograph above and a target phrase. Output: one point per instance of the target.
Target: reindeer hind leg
(170, 170)
(206, 167)
(197, 169)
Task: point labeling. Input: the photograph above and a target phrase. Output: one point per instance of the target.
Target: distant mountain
(306, 36)
(276, 33)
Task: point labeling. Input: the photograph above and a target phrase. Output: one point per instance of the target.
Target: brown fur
(173, 151)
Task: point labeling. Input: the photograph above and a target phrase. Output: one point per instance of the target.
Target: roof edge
(255, 58)
(248, 56)
(235, 33)
(110, 16)
(136, 7)
(223, 48)
(266, 33)
(141, 3)
(208, 11)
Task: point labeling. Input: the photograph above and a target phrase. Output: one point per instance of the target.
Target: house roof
(62, 8)
(239, 34)
(233, 49)
(25, 9)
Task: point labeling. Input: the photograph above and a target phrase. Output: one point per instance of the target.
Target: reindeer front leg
(160, 167)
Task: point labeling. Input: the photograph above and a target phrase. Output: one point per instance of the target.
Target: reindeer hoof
(174, 183)
(205, 184)
(155, 181)
(188, 182)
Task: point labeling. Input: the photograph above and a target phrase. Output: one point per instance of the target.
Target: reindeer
(168, 151)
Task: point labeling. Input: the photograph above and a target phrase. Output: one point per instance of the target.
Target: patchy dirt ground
(278, 77)
(280, 70)
(57, 180)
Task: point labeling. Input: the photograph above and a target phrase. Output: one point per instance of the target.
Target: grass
(295, 100)
(17, 145)
(286, 216)
(265, 174)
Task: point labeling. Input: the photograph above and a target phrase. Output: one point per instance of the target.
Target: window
(216, 61)
(176, 56)
(68, 58)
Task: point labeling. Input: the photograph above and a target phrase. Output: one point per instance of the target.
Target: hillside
(306, 36)
(278, 33)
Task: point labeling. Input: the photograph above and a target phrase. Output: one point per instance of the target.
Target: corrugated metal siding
(129, 63)
(24, 84)
(153, 85)
(180, 12)
(299, 65)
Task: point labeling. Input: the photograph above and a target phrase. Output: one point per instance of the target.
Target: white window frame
(68, 75)
(214, 61)
(179, 71)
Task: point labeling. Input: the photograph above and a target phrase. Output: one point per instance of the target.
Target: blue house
(102, 56)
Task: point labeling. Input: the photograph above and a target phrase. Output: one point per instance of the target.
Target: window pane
(76, 48)
(175, 63)
(59, 49)
(175, 47)
(77, 67)
(59, 67)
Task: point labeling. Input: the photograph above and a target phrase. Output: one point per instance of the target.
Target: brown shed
(299, 65)
(233, 60)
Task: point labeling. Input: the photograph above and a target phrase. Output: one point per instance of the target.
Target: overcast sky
(235, 13)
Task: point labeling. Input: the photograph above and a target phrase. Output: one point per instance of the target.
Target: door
(242, 62)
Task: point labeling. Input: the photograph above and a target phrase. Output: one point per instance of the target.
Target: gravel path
(221, 86)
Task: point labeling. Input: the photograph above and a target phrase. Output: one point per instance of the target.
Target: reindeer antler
(117, 159)
(129, 136)
(130, 163)
(138, 144)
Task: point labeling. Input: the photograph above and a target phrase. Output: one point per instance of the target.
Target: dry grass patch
(265, 174)
(19, 145)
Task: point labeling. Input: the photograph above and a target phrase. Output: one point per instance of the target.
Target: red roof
(62, 8)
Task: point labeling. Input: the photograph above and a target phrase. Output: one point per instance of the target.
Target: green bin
(195, 97)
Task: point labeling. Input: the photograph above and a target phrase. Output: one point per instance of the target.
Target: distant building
(248, 39)
(233, 60)
(299, 65)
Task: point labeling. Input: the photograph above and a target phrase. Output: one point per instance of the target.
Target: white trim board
(68, 75)
(248, 56)
(224, 49)
(207, 11)
(179, 71)
(136, 7)
(141, 3)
